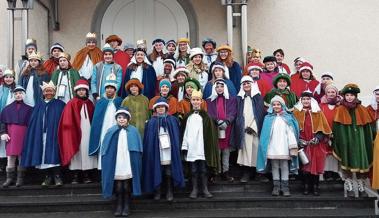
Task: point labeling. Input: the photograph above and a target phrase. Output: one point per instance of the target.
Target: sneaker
(225, 176)
(362, 188)
(47, 181)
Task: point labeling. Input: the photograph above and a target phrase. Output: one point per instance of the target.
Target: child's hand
(5, 137)
(314, 141)
(293, 152)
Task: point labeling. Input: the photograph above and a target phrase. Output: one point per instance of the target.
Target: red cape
(50, 65)
(122, 59)
(295, 77)
(69, 131)
(300, 85)
(286, 68)
(264, 87)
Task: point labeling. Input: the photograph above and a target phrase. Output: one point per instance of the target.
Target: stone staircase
(230, 200)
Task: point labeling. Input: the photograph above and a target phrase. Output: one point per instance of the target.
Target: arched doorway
(145, 19)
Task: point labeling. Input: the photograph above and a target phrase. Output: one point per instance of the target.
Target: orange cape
(319, 122)
(361, 113)
(96, 55)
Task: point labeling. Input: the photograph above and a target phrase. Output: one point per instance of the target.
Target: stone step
(94, 202)
(212, 213)
(95, 188)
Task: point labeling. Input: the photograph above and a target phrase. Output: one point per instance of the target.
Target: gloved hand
(314, 141)
(95, 96)
(222, 125)
(250, 131)
(302, 143)
(5, 137)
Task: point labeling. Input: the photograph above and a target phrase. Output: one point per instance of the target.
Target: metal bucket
(303, 157)
(221, 133)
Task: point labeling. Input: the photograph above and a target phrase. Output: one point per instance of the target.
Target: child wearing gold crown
(23, 63)
(199, 144)
(41, 149)
(31, 79)
(103, 71)
(86, 58)
(65, 78)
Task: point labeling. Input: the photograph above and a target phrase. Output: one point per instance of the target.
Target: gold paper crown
(8, 72)
(141, 43)
(64, 55)
(91, 35)
(257, 52)
(48, 85)
(35, 55)
(31, 42)
(196, 94)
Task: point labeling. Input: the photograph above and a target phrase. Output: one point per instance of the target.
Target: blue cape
(235, 74)
(109, 156)
(266, 136)
(238, 132)
(4, 93)
(149, 80)
(22, 110)
(97, 123)
(33, 144)
(208, 89)
(151, 166)
(37, 82)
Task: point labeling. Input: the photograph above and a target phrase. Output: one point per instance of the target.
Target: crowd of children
(153, 122)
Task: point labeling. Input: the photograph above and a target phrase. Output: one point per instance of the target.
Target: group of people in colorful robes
(147, 121)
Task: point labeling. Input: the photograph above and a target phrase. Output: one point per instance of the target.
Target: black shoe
(119, 199)
(225, 176)
(315, 182)
(86, 178)
(204, 184)
(306, 184)
(58, 180)
(125, 210)
(261, 178)
(316, 191)
(195, 190)
(75, 178)
(212, 179)
(47, 181)
(20, 176)
(157, 194)
(11, 174)
(169, 193)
